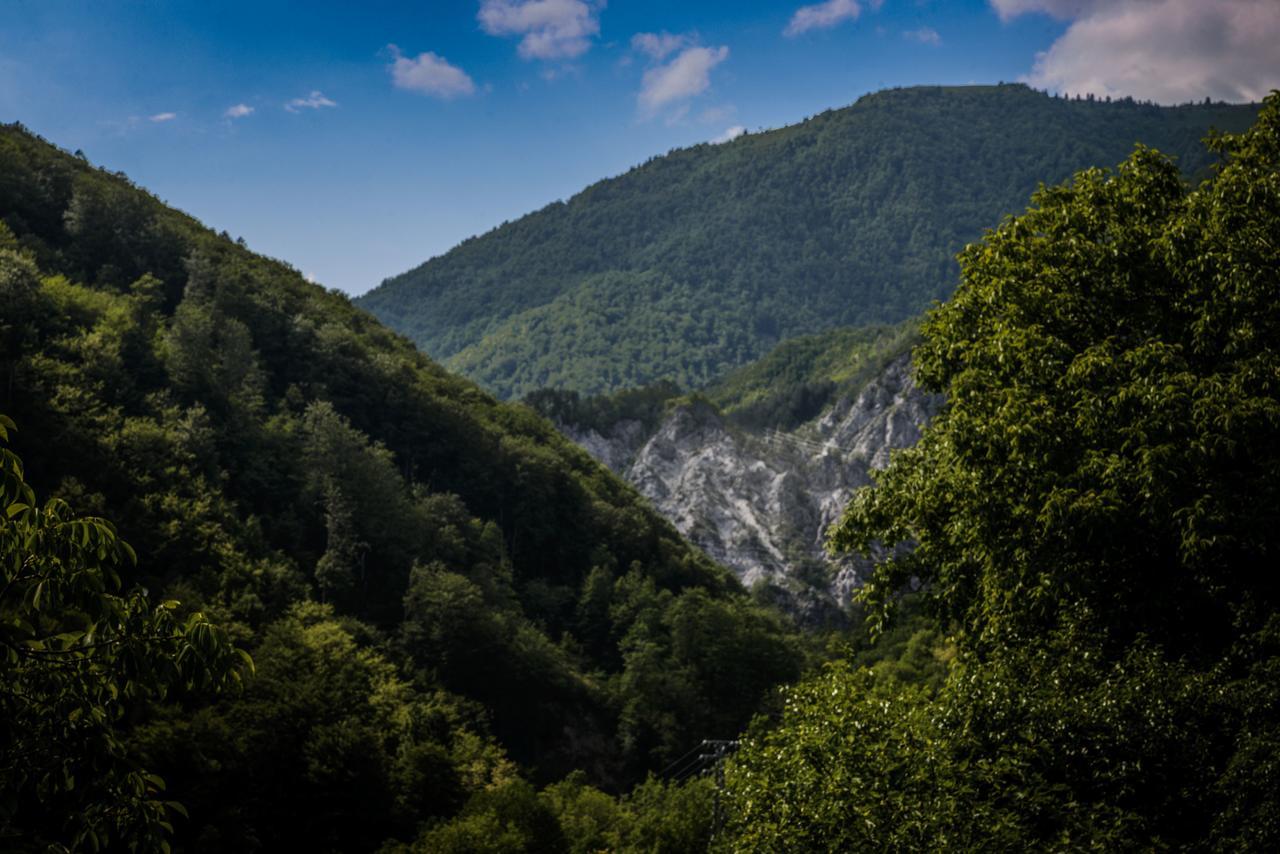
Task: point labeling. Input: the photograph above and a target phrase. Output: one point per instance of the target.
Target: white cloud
(729, 135)
(554, 73)
(163, 117)
(429, 74)
(1061, 9)
(239, 111)
(821, 16)
(924, 35)
(685, 76)
(315, 101)
(1168, 51)
(551, 29)
(677, 115)
(658, 46)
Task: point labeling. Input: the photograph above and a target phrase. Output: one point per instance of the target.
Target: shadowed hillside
(442, 594)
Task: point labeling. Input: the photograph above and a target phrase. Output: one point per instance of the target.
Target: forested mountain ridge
(701, 260)
(442, 594)
(796, 380)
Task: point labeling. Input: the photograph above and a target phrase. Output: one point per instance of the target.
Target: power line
(777, 437)
(696, 748)
(707, 751)
(707, 757)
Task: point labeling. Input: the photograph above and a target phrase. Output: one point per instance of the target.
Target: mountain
(702, 260)
(443, 594)
(758, 469)
(802, 376)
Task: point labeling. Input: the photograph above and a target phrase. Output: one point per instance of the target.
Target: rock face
(761, 504)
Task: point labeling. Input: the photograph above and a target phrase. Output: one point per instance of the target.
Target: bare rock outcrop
(761, 503)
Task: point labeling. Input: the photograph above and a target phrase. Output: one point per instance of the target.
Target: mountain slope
(802, 376)
(761, 503)
(703, 259)
(756, 470)
(420, 570)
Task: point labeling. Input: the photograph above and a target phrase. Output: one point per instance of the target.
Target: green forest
(789, 385)
(388, 544)
(270, 579)
(702, 260)
(1092, 520)
(802, 376)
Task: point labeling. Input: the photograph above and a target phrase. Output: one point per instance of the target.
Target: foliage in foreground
(655, 817)
(1096, 514)
(78, 657)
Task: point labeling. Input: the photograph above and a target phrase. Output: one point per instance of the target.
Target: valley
(662, 519)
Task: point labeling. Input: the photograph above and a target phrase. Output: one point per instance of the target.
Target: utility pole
(707, 757)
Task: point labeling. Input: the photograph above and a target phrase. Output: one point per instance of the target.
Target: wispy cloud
(729, 135)
(686, 75)
(715, 115)
(1062, 9)
(822, 16)
(429, 74)
(239, 111)
(658, 46)
(924, 35)
(549, 29)
(1169, 51)
(315, 101)
(162, 117)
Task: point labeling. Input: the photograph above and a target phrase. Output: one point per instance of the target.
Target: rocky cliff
(761, 503)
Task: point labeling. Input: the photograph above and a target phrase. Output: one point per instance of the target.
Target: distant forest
(789, 385)
(702, 260)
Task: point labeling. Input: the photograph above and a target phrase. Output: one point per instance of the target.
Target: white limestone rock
(761, 504)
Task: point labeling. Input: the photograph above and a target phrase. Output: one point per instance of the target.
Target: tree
(508, 817)
(78, 657)
(1096, 514)
(327, 749)
(209, 352)
(24, 309)
(340, 567)
(1111, 439)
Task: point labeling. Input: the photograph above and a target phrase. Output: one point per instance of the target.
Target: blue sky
(357, 140)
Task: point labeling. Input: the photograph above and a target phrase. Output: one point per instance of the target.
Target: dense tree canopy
(76, 657)
(443, 594)
(1095, 516)
(1109, 443)
(702, 260)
